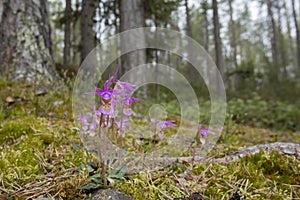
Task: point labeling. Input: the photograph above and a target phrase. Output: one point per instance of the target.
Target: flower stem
(121, 125)
(154, 145)
(101, 161)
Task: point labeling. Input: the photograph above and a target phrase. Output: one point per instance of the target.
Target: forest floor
(42, 155)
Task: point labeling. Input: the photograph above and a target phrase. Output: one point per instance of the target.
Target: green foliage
(261, 113)
(160, 11)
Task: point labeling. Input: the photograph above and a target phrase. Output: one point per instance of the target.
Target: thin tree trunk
(206, 24)
(297, 33)
(192, 71)
(291, 43)
(204, 7)
(75, 33)
(88, 37)
(283, 62)
(67, 40)
(1, 10)
(188, 20)
(116, 23)
(275, 70)
(218, 44)
(232, 36)
(25, 41)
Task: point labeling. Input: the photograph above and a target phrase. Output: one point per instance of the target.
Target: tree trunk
(132, 16)
(192, 70)
(275, 70)
(297, 33)
(232, 36)
(283, 62)
(67, 40)
(75, 32)
(88, 37)
(25, 41)
(188, 20)
(292, 56)
(206, 32)
(218, 44)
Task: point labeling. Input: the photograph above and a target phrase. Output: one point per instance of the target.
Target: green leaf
(90, 186)
(118, 172)
(97, 178)
(90, 169)
(76, 146)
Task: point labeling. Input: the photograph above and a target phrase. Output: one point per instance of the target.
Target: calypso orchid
(127, 105)
(203, 133)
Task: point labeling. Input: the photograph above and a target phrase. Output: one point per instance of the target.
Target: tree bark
(232, 36)
(218, 44)
(132, 16)
(67, 40)
(206, 24)
(291, 44)
(25, 41)
(283, 62)
(192, 71)
(188, 19)
(297, 33)
(88, 37)
(275, 70)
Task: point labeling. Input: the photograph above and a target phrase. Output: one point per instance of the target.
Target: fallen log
(283, 147)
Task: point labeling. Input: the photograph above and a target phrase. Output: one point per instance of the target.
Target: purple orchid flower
(107, 109)
(124, 87)
(106, 98)
(127, 105)
(83, 120)
(106, 93)
(203, 133)
(93, 124)
(163, 125)
(96, 111)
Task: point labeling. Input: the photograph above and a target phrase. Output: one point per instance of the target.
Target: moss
(14, 129)
(261, 176)
(36, 141)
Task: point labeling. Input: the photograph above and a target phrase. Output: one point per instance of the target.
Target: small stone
(108, 194)
(10, 100)
(58, 103)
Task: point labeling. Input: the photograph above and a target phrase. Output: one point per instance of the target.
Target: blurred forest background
(255, 44)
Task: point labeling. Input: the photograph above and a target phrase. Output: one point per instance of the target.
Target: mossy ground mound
(41, 154)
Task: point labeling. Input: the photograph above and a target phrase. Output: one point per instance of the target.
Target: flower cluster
(115, 94)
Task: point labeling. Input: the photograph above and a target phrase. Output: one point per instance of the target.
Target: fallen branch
(285, 148)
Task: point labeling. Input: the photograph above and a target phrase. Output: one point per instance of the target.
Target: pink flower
(127, 105)
(125, 87)
(203, 133)
(163, 125)
(83, 120)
